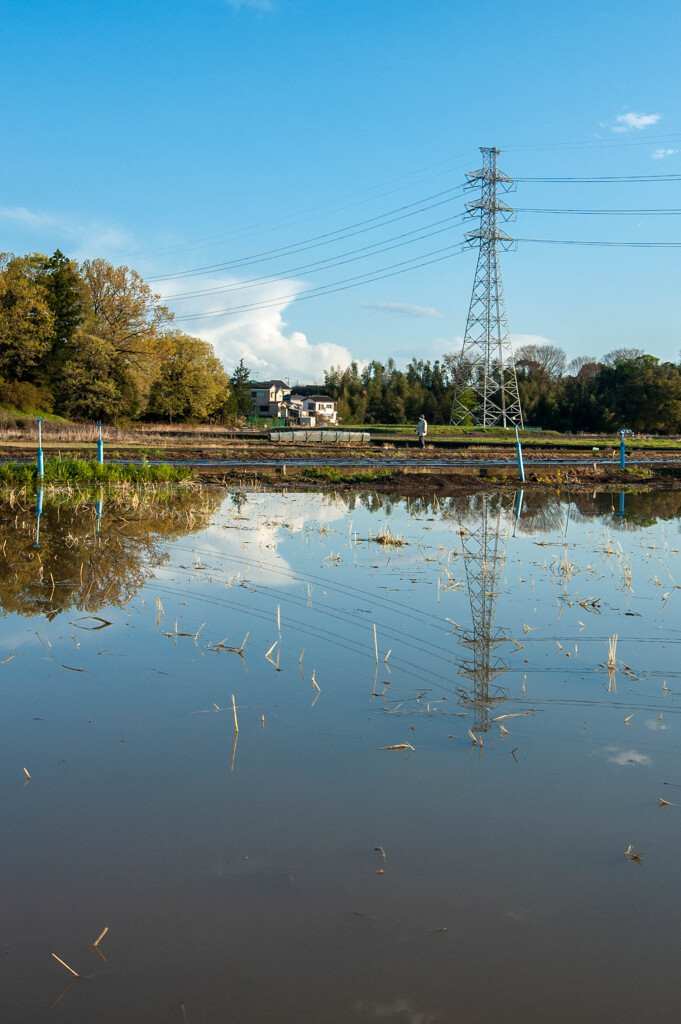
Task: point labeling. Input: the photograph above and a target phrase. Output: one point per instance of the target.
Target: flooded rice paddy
(455, 789)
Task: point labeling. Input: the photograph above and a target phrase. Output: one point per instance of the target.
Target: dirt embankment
(413, 480)
(384, 464)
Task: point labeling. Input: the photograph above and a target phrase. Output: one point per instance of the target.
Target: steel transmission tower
(486, 365)
(484, 554)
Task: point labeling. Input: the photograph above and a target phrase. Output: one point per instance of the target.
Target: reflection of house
(268, 398)
(310, 410)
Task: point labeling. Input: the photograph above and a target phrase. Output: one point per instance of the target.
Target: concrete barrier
(321, 436)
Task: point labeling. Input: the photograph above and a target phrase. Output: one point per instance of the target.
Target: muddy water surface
(304, 871)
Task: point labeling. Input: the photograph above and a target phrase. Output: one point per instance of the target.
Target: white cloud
(402, 1009)
(405, 308)
(626, 757)
(258, 336)
(530, 339)
(88, 237)
(631, 121)
(252, 549)
(659, 154)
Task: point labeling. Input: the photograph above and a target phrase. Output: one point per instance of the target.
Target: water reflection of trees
(543, 512)
(59, 560)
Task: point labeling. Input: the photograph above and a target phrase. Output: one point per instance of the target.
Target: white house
(310, 410)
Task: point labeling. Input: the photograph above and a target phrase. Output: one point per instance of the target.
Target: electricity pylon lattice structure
(484, 555)
(486, 366)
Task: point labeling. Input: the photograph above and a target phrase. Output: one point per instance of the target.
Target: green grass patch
(25, 417)
(88, 471)
(336, 476)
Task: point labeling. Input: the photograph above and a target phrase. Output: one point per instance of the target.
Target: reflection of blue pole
(518, 508)
(41, 462)
(100, 447)
(519, 453)
(99, 513)
(621, 504)
(38, 513)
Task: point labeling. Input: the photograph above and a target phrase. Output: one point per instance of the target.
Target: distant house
(311, 410)
(268, 398)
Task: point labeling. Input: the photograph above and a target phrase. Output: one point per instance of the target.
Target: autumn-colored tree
(129, 317)
(191, 384)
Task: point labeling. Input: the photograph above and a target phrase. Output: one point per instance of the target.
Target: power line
(339, 286)
(258, 229)
(327, 264)
(607, 178)
(592, 144)
(313, 243)
(631, 245)
(606, 213)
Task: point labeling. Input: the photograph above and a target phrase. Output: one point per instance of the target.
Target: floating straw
(74, 973)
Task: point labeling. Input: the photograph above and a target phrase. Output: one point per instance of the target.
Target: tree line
(93, 341)
(626, 388)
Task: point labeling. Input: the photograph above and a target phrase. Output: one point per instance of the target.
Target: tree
(88, 386)
(67, 296)
(126, 314)
(192, 383)
(26, 320)
(241, 401)
(622, 355)
(547, 359)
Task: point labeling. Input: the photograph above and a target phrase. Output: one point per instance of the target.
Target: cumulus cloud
(659, 154)
(253, 549)
(258, 336)
(88, 237)
(634, 122)
(404, 308)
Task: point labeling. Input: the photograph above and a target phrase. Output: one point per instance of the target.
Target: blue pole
(41, 461)
(100, 447)
(622, 453)
(519, 453)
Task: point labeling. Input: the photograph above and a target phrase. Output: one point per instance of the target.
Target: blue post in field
(100, 447)
(38, 513)
(623, 433)
(519, 453)
(41, 461)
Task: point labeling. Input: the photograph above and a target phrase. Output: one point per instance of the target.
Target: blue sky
(174, 136)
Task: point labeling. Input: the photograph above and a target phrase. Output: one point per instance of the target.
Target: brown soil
(456, 480)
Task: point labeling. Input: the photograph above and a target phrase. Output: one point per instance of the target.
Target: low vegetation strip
(332, 475)
(88, 471)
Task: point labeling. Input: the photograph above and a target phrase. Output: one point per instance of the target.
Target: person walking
(422, 428)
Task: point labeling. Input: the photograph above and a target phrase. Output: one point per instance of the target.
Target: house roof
(319, 398)
(268, 384)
